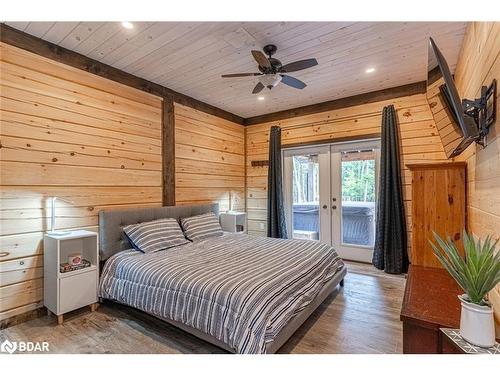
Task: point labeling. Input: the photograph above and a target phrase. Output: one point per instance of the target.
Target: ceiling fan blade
(261, 59)
(293, 82)
(258, 88)
(240, 75)
(299, 65)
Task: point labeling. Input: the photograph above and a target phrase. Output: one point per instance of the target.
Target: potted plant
(476, 273)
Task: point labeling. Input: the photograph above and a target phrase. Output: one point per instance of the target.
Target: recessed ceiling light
(370, 70)
(128, 25)
(260, 98)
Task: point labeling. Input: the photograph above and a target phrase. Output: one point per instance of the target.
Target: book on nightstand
(66, 267)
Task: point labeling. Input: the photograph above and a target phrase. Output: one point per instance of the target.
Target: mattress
(240, 289)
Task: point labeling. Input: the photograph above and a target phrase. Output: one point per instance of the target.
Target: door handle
(325, 206)
(334, 207)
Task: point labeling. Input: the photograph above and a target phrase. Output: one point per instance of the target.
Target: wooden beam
(370, 97)
(63, 55)
(168, 151)
(332, 140)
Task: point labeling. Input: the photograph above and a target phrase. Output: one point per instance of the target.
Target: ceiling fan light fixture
(261, 98)
(370, 70)
(270, 80)
(271, 71)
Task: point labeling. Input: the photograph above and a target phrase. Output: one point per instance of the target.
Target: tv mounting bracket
(478, 110)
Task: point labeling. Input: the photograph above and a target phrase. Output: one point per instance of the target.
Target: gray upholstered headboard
(111, 222)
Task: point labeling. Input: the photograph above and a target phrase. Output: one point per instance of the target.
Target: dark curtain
(276, 223)
(390, 252)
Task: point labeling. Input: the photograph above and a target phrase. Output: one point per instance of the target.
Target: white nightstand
(67, 291)
(233, 221)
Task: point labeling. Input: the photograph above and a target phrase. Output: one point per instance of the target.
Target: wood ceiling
(189, 57)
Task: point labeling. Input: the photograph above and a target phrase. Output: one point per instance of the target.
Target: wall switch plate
(261, 226)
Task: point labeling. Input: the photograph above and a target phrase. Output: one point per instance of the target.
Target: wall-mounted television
(459, 122)
(457, 130)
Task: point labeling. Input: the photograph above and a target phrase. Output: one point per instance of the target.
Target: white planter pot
(477, 325)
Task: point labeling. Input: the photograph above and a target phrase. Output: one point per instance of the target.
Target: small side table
(233, 221)
(453, 343)
(68, 291)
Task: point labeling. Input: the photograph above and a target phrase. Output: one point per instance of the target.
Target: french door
(330, 195)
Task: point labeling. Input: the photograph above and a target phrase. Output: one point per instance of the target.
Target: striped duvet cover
(237, 288)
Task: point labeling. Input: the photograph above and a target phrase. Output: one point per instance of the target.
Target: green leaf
(478, 271)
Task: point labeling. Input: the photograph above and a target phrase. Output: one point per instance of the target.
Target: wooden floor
(362, 317)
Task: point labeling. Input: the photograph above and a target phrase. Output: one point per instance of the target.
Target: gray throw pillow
(201, 226)
(155, 235)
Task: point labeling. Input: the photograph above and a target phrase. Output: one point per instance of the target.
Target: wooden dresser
(439, 205)
(430, 302)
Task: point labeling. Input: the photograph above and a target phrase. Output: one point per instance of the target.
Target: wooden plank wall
(478, 65)
(419, 138)
(66, 133)
(209, 159)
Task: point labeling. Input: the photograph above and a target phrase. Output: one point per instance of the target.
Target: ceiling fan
(271, 70)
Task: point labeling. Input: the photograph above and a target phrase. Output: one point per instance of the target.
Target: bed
(245, 294)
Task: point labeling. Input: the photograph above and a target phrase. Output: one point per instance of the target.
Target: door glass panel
(358, 197)
(305, 188)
